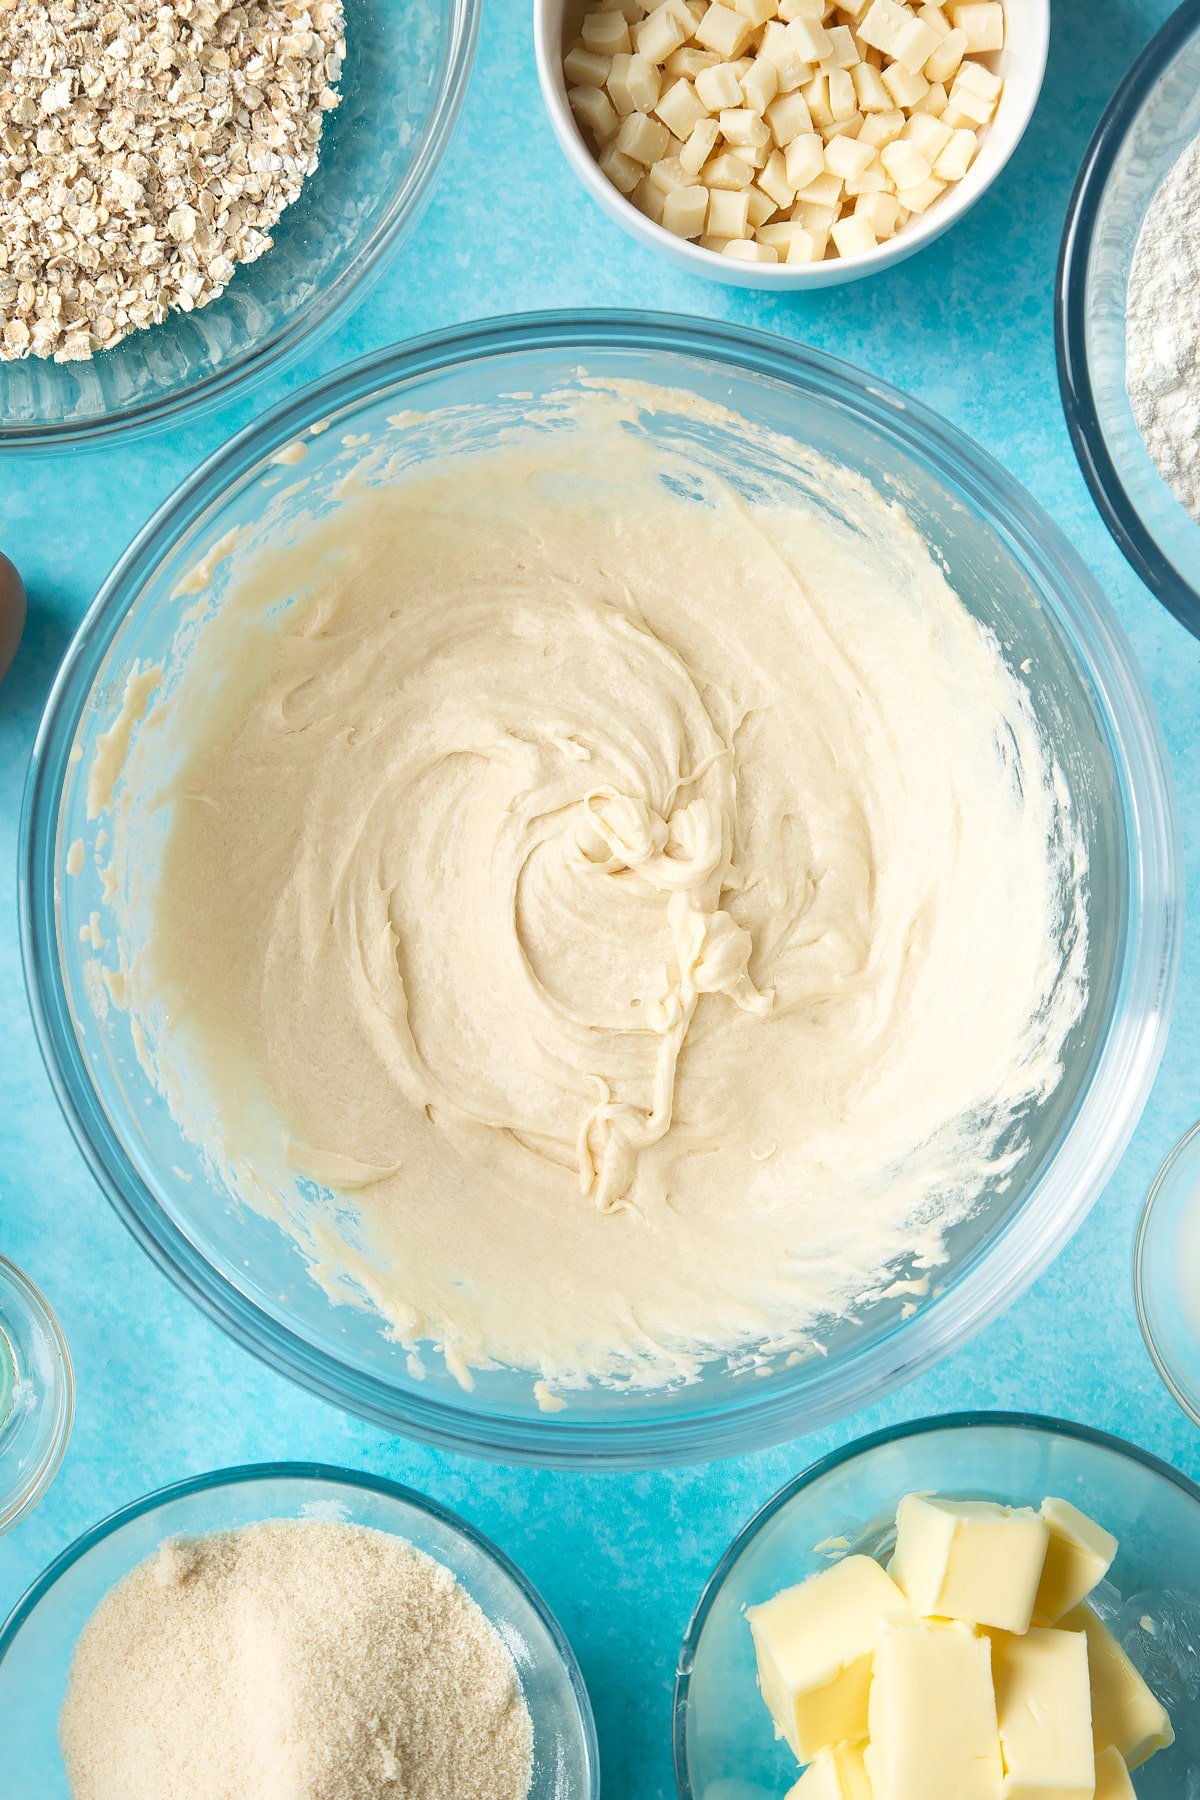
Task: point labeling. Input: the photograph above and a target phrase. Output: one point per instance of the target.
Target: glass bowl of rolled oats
(190, 190)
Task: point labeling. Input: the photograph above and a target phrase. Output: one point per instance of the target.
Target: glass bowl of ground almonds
(189, 192)
(489, 949)
(289, 1627)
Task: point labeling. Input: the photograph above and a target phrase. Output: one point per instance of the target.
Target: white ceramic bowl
(1022, 64)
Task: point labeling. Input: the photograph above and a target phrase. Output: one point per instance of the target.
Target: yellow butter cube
(836, 1774)
(932, 1715)
(1079, 1554)
(970, 1559)
(1044, 1710)
(815, 1644)
(1112, 1777)
(1125, 1714)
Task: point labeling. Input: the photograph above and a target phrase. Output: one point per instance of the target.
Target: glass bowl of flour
(327, 1535)
(1126, 316)
(600, 889)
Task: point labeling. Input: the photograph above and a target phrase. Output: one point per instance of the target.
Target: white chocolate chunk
(748, 250)
(932, 1715)
(928, 134)
(741, 126)
(681, 109)
(661, 32)
(810, 38)
(843, 102)
(643, 138)
(620, 169)
(917, 43)
(760, 84)
(933, 101)
(1079, 1554)
(1112, 1777)
(943, 61)
(649, 200)
(583, 68)
(1044, 1711)
(920, 198)
(700, 146)
(965, 1559)
(869, 90)
(723, 30)
(882, 128)
(906, 89)
(757, 11)
(789, 118)
(837, 1774)
(881, 211)
(688, 61)
(804, 160)
(843, 51)
(908, 168)
(825, 190)
(846, 156)
(773, 180)
(685, 211)
(853, 235)
(670, 175)
(951, 165)
(728, 214)
(634, 85)
(605, 33)
(884, 26)
(983, 22)
(1125, 1714)
(594, 110)
(719, 87)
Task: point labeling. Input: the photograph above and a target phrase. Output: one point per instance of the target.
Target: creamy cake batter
(638, 906)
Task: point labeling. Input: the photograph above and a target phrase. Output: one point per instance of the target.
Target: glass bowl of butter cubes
(978, 1607)
(789, 143)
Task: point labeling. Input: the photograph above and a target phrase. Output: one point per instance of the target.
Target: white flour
(295, 1660)
(1162, 352)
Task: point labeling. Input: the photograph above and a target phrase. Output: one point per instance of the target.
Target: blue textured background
(966, 325)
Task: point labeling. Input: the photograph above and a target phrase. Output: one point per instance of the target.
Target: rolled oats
(147, 147)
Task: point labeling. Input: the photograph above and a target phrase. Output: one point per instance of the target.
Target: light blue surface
(966, 325)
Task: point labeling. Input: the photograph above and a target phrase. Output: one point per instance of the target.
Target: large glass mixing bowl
(407, 63)
(38, 1640)
(463, 389)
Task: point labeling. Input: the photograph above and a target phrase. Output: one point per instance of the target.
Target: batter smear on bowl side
(642, 904)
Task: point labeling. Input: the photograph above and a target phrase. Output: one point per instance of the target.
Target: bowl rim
(782, 277)
(1123, 520)
(1123, 1068)
(1186, 1146)
(315, 319)
(1044, 1424)
(27, 1494)
(253, 1474)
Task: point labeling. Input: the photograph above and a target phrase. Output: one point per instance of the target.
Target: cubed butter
(836, 1774)
(815, 1644)
(1044, 1710)
(1125, 1714)
(968, 1559)
(1112, 1777)
(1079, 1554)
(932, 1715)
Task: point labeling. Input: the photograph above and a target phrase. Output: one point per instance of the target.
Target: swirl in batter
(642, 909)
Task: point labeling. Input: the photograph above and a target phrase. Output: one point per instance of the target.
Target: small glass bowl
(724, 1744)
(402, 87)
(37, 1642)
(1151, 119)
(1166, 1273)
(37, 1395)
